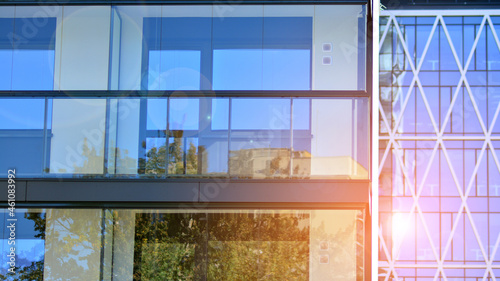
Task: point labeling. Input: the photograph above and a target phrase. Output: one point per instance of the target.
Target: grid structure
(439, 171)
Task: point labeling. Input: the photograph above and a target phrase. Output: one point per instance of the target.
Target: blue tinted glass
(239, 69)
(184, 60)
(33, 70)
(473, 20)
(452, 20)
(154, 70)
(157, 114)
(286, 69)
(35, 33)
(242, 53)
(180, 70)
(21, 131)
(260, 114)
(6, 29)
(174, 70)
(33, 57)
(237, 33)
(220, 114)
(184, 114)
(191, 38)
(301, 114)
(21, 113)
(426, 20)
(5, 69)
(287, 33)
(284, 63)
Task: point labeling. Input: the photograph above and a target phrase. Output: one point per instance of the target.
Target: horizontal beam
(208, 94)
(192, 191)
(447, 12)
(178, 2)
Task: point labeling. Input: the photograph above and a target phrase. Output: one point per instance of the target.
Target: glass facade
(439, 170)
(186, 50)
(183, 48)
(187, 137)
(216, 142)
(186, 244)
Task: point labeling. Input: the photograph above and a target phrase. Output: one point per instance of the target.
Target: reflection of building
(204, 141)
(270, 163)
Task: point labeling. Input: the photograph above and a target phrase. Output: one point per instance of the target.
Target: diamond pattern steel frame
(394, 138)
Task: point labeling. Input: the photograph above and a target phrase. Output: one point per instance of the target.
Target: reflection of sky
(157, 114)
(21, 113)
(27, 69)
(263, 114)
(257, 69)
(174, 70)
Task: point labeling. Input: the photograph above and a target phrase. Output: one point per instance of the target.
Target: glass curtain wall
(186, 244)
(186, 137)
(185, 50)
(439, 170)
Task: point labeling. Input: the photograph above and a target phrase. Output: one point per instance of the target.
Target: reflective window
(177, 52)
(209, 244)
(249, 48)
(27, 52)
(439, 172)
(164, 137)
(21, 136)
(78, 136)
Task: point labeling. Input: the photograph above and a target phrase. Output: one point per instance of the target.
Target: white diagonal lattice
(396, 138)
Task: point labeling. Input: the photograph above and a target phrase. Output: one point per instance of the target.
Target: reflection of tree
(180, 160)
(93, 162)
(74, 244)
(260, 162)
(168, 246)
(258, 247)
(240, 246)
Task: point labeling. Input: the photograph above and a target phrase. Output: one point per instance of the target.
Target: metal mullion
(44, 141)
(291, 139)
(106, 138)
(230, 110)
(167, 139)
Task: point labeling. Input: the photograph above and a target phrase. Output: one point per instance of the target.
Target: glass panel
(21, 136)
(243, 137)
(237, 69)
(33, 58)
(157, 114)
(230, 244)
(314, 154)
(6, 28)
(260, 140)
(162, 244)
(77, 144)
(248, 48)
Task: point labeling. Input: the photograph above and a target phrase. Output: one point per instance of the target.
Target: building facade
(439, 169)
(195, 140)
